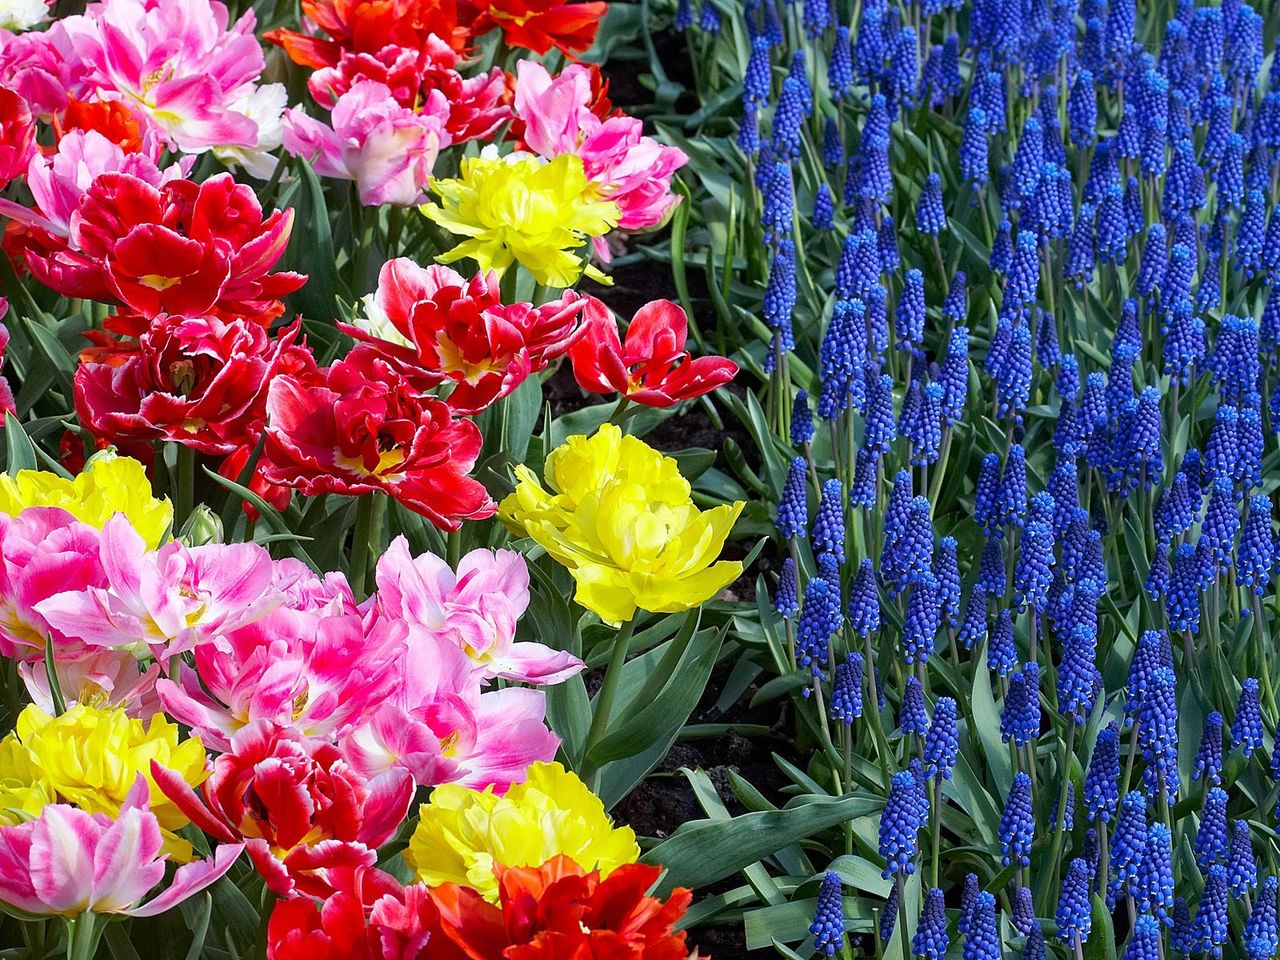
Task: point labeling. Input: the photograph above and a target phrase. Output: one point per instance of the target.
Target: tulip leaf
(199, 923)
(702, 852)
(53, 353)
(666, 711)
(270, 515)
(311, 250)
(20, 453)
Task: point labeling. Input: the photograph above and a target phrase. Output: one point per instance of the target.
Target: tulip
(559, 910)
(86, 866)
(317, 670)
(558, 212)
(198, 381)
(299, 807)
(359, 427)
(178, 65)
(369, 916)
(183, 248)
(17, 135)
(463, 835)
(539, 25)
(168, 601)
(474, 610)
(368, 28)
(642, 544)
(437, 725)
(437, 327)
(386, 148)
(476, 104)
(652, 366)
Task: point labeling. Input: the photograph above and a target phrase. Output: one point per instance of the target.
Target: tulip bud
(202, 527)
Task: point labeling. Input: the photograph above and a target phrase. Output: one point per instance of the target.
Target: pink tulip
(386, 148)
(98, 678)
(42, 68)
(632, 170)
(171, 600)
(440, 728)
(43, 552)
(316, 672)
(68, 862)
(474, 610)
(176, 63)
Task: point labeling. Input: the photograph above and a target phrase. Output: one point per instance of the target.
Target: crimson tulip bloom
(359, 426)
(198, 381)
(651, 367)
(435, 326)
(366, 26)
(183, 248)
(299, 807)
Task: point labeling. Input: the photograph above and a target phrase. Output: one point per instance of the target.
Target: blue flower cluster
(1025, 258)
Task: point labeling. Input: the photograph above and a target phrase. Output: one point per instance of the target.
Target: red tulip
(477, 105)
(359, 426)
(199, 381)
(369, 916)
(184, 248)
(559, 912)
(17, 136)
(539, 25)
(300, 808)
(366, 26)
(651, 366)
(449, 329)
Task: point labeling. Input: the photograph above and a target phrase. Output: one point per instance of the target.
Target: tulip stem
(184, 486)
(604, 700)
(83, 933)
(369, 511)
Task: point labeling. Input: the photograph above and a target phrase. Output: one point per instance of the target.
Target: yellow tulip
(24, 790)
(523, 209)
(108, 485)
(91, 758)
(619, 515)
(462, 833)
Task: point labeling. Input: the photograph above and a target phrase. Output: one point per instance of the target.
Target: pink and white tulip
(67, 862)
(95, 678)
(318, 673)
(168, 601)
(177, 64)
(43, 552)
(632, 170)
(474, 610)
(439, 727)
(386, 148)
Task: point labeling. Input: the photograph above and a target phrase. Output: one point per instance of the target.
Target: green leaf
(20, 453)
(312, 251)
(662, 717)
(270, 515)
(703, 851)
(1101, 944)
(987, 719)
